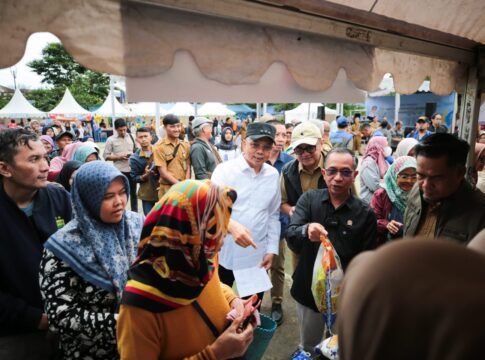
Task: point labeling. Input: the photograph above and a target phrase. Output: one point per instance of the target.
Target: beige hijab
(413, 299)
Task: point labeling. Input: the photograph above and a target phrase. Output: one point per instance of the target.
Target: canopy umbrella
(215, 109)
(19, 107)
(68, 106)
(106, 108)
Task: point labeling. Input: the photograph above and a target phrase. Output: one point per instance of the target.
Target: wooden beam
(278, 17)
(373, 21)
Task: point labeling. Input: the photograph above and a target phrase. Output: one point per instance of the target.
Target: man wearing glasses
(257, 207)
(349, 224)
(305, 172)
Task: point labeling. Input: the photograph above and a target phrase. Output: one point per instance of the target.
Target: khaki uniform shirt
(115, 145)
(308, 179)
(162, 153)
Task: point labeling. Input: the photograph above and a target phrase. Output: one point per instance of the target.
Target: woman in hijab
(413, 299)
(48, 144)
(389, 202)
(67, 173)
(406, 147)
(84, 265)
(374, 167)
(478, 166)
(226, 147)
(87, 152)
(49, 131)
(174, 282)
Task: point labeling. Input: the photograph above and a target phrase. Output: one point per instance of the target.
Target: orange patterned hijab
(180, 238)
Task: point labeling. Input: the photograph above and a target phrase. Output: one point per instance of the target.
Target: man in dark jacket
(348, 223)
(442, 204)
(144, 171)
(203, 155)
(31, 210)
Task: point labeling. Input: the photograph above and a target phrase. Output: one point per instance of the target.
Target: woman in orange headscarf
(174, 305)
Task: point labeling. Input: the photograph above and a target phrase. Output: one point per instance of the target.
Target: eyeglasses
(344, 172)
(309, 149)
(257, 146)
(407, 177)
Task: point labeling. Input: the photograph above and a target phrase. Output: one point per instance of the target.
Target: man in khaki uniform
(171, 155)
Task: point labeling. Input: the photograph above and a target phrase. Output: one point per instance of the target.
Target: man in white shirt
(257, 205)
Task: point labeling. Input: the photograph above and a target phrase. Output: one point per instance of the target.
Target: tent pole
(309, 109)
(112, 93)
(397, 105)
(157, 118)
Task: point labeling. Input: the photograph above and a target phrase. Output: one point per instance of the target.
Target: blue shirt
(415, 135)
(282, 159)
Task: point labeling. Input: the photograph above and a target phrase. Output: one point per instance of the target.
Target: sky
(26, 78)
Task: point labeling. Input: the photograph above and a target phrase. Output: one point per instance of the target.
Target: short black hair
(11, 140)
(191, 117)
(341, 150)
(120, 123)
(365, 126)
(289, 125)
(170, 119)
(357, 115)
(143, 130)
(443, 144)
(434, 115)
(384, 124)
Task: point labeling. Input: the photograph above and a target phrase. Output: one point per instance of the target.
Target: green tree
(4, 99)
(59, 69)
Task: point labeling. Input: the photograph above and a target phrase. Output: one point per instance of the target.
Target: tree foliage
(59, 69)
(4, 99)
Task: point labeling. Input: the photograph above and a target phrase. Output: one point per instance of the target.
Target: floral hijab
(98, 252)
(180, 238)
(397, 196)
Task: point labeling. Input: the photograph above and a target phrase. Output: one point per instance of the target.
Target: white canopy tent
(214, 109)
(107, 110)
(68, 106)
(19, 107)
(182, 109)
(147, 109)
(306, 111)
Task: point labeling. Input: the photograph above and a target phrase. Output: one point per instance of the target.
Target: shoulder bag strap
(174, 153)
(206, 319)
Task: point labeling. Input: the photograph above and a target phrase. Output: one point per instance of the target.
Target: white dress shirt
(257, 207)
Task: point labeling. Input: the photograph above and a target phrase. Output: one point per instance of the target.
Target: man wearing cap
(203, 156)
(257, 206)
(171, 155)
(119, 147)
(305, 172)
(341, 137)
(421, 129)
(62, 140)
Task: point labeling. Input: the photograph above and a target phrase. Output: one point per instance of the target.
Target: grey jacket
(203, 159)
(460, 217)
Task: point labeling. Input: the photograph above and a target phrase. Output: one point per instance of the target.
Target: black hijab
(224, 144)
(66, 172)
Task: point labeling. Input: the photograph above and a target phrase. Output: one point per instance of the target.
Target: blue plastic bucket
(261, 338)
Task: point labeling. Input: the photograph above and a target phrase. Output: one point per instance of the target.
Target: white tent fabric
(182, 109)
(106, 108)
(19, 107)
(300, 113)
(214, 109)
(146, 109)
(135, 39)
(69, 106)
(276, 85)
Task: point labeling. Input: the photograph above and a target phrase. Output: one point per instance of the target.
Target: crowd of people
(84, 275)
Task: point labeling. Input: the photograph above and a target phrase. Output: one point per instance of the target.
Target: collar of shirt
(166, 141)
(244, 166)
(349, 203)
(145, 155)
(319, 166)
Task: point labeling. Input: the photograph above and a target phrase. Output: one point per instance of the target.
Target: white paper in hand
(252, 281)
